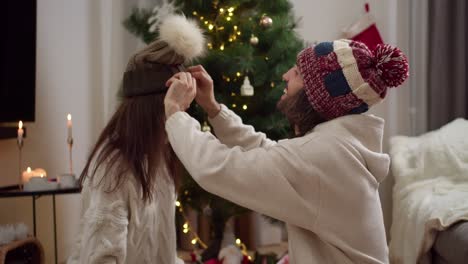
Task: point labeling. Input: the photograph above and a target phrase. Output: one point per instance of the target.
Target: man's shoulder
(310, 138)
(317, 145)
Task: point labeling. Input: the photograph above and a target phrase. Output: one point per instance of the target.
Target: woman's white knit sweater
(118, 227)
(324, 185)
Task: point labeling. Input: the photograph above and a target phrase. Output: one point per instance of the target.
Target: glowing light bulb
(185, 226)
(210, 27)
(177, 203)
(235, 27)
(228, 18)
(238, 241)
(231, 9)
(194, 13)
(244, 107)
(238, 74)
(185, 231)
(234, 105)
(194, 241)
(221, 10)
(230, 14)
(221, 47)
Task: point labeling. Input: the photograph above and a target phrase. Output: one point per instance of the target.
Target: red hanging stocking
(364, 30)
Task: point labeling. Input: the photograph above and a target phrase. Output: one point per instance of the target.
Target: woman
(128, 183)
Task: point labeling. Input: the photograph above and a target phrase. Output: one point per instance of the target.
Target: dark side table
(14, 191)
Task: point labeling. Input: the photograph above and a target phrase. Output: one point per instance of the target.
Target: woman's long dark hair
(134, 142)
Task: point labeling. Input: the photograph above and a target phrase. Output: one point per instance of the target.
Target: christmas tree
(250, 44)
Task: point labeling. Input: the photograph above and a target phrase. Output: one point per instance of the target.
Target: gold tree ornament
(266, 21)
(253, 40)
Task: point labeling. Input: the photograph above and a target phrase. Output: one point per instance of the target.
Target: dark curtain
(448, 87)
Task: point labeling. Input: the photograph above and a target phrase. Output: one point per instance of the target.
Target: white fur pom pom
(183, 36)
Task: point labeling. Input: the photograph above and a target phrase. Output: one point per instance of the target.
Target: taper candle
(20, 132)
(69, 125)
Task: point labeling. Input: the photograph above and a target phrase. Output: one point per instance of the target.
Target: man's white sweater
(324, 185)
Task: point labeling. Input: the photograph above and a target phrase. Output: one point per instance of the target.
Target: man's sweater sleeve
(230, 130)
(261, 179)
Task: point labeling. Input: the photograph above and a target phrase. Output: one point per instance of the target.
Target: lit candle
(27, 174)
(69, 126)
(40, 172)
(36, 180)
(20, 131)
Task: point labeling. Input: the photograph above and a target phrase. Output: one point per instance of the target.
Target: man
(323, 183)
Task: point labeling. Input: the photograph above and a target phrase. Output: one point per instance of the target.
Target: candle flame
(20, 124)
(28, 169)
(69, 117)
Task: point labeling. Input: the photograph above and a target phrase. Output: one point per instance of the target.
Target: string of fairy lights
(195, 238)
(213, 25)
(227, 14)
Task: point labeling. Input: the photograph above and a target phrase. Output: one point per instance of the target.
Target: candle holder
(19, 143)
(70, 147)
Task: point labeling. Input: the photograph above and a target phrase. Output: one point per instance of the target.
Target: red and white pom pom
(392, 65)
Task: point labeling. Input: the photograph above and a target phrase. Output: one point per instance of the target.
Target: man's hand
(182, 90)
(205, 93)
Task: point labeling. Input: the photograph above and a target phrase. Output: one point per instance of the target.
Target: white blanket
(431, 189)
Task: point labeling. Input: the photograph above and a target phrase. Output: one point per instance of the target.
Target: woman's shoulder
(107, 176)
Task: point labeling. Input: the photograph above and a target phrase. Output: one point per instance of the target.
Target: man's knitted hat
(180, 40)
(345, 77)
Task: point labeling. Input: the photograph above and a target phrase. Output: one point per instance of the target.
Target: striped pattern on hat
(341, 77)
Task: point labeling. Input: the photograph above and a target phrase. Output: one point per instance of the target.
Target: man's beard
(301, 115)
(288, 107)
